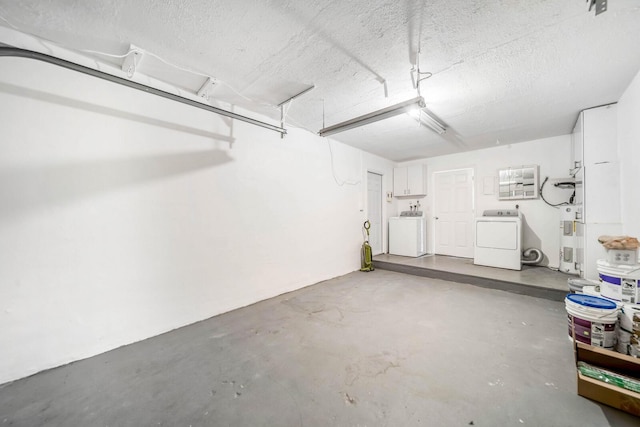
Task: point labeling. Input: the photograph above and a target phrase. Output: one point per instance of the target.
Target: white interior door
(374, 211)
(454, 214)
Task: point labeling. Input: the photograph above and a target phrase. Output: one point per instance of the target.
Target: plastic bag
(619, 242)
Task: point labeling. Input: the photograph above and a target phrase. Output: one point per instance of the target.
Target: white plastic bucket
(594, 319)
(630, 315)
(619, 282)
(577, 284)
(623, 340)
(628, 323)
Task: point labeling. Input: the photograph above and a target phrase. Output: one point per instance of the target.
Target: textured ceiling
(504, 71)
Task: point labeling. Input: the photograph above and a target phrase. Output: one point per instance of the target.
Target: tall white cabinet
(597, 171)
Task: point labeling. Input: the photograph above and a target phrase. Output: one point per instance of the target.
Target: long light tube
(23, 53)
(430, 122)
(385, 113)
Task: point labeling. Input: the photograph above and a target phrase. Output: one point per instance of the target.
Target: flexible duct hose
(527, 254)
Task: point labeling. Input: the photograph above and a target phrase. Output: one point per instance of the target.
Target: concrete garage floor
(365, 349)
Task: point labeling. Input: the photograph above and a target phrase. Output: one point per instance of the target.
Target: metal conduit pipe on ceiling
(24, 53)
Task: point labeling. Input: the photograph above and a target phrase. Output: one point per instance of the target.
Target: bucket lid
(577, 281)
(592, 301)
(604, 266)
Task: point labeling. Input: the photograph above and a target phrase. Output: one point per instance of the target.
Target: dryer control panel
(497, 212)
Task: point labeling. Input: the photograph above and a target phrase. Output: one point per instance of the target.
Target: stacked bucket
(593, 319)
(629, 330)
(607, 314)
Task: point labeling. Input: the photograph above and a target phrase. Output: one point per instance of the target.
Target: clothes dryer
(498, 241)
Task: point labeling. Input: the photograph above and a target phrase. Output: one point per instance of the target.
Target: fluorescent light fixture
(385, 113)
(429, 121)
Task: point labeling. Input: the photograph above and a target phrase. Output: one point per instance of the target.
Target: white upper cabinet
(596, 165)
(600, 136)
(400, 182)
(410, 181)
(417, 180)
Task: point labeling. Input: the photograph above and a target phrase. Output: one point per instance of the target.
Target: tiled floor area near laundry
(536, 281)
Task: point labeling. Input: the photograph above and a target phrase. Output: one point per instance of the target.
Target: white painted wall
(629, 146)
(542, 221)
(124, 215)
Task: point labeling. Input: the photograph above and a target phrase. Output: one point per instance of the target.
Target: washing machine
(408, 234)
(498, 241)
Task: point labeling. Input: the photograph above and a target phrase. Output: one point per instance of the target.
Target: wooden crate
(625, 400)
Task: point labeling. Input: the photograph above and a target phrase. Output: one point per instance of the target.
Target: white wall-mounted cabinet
(410, 181)
(596, 166)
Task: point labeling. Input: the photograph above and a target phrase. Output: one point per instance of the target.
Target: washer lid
(592, 301)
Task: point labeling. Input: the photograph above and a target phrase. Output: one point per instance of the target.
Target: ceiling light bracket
(132, 60)
(420, 75)
(600, 5)
(283, 115)
(206, 90)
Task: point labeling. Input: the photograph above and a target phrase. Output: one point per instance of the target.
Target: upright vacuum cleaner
(365, 254)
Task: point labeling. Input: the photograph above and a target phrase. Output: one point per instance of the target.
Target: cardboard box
(600, 391)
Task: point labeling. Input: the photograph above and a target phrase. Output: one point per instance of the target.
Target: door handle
(435, 217)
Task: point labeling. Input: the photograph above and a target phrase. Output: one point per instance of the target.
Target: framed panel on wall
(518, 182)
